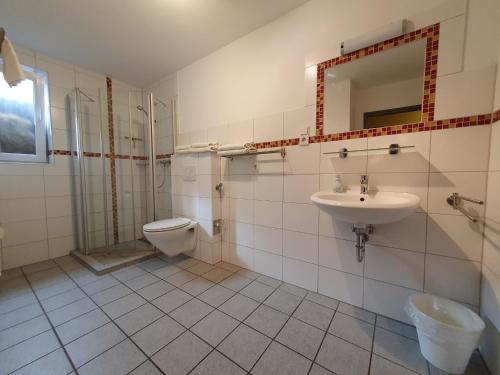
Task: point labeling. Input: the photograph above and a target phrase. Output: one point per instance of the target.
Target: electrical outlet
(304, 139)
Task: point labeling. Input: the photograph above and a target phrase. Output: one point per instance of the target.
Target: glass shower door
(91, 187)
(161, 147)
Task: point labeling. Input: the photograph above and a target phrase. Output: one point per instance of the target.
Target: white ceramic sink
(372, 208)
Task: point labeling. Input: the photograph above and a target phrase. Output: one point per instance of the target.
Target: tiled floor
(182, 316)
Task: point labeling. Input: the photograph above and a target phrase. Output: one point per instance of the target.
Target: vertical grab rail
(83, 182)
(131, 157)
(152, 155)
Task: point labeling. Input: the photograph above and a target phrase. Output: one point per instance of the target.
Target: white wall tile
(407, 160)
(388, 300)
(349, 181)
(208, 163)
(60, 74)
(301, 246)
(409, 233)
(454, 236)
(242, 165)
(60, 206)
(493, 200)
(205, 208)
(494, 164)
(330, 227)
(451, 45)
(13, 187)
(268, 239)
(489, 297)
(268, 164)
(241, 233)
(467, 184)
(241, 186)
(452, 100)
(340, 255)
(61, 166)
(302, 159)
(241, 256)
(12, 210)
(355, 162)
(20, 255)
(300, 217)
(413, 183)
(218, 134)
(299, 188)
(462, 149)
(205, 188)
(340, 285)
(300, 273)
(269, 187)
(268, 264)
(241, 210)
(395, 266)
(21, 169)
(491, 252)
(268, 214)
(298, 121)
(268, 128)
(452, 278)
(58, 185)
(21, 232)
(240, 132)
(61, 246)
(61, 226)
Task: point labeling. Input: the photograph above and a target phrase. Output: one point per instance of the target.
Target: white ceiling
(137, 41)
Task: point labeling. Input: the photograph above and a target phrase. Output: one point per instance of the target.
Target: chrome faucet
(364, 184)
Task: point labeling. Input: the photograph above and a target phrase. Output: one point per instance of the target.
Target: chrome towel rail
(455, 201)
(280, 150)
(393, 150)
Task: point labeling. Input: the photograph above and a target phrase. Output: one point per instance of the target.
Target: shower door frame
(80, 154)
(152, 145)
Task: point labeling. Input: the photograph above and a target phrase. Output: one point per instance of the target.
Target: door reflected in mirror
(382, 89)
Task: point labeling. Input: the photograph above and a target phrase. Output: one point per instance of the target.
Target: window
(25, 118)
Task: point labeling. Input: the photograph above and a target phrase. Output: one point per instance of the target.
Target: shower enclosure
(116, 134)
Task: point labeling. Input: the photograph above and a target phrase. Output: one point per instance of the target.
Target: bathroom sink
(372, 208)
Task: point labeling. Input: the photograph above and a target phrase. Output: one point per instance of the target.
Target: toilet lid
(167, 224)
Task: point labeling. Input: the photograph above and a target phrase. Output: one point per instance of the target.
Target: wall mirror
(379, 90)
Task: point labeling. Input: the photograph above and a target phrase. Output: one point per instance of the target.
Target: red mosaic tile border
(431, 33)
(111, 135)
(459, 122)
(495, 116)
(98, 155)
(163, 156)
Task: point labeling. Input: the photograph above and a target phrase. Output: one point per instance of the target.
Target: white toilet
(172, 236)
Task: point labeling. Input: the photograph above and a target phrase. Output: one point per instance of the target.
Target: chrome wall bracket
(217, 226)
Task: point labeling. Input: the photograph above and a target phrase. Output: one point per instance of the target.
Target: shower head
(141, 108)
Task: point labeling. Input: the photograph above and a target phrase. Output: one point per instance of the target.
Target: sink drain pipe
(362, 237)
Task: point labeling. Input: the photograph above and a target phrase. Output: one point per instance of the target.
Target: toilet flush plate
(190, 173)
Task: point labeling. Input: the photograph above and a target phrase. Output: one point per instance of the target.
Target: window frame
(43, 131)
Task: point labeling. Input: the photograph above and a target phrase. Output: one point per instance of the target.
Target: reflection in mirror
(382, 89)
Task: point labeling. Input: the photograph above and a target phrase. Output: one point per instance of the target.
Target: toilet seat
(166, 225)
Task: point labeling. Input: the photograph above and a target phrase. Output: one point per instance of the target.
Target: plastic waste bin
(448, 332)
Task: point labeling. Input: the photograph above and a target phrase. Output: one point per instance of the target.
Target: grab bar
(455, 201)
